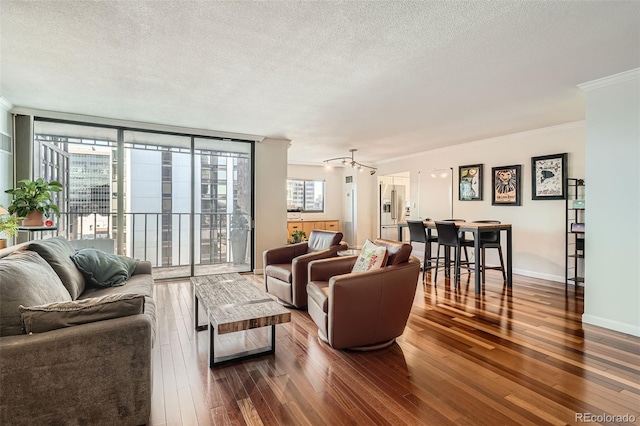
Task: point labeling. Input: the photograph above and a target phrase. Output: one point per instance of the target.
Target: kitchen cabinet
(292, 227)
(332, 225)
(309, 225)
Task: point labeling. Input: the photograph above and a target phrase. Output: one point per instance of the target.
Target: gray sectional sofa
(89, 369)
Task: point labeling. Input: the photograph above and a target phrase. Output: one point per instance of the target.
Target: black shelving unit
(574, 239)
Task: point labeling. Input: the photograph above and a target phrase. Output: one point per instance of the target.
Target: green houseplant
(32, 200)
(239, 230)
(298, 236)
(8, 227)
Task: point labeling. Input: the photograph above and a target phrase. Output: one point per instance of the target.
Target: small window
(305, 195)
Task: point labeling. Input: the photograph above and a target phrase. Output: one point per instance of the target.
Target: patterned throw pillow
(371, 257)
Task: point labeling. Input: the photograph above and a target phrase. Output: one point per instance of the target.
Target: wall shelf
(574, 239)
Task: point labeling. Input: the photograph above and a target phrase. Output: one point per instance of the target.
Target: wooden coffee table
(235, 304)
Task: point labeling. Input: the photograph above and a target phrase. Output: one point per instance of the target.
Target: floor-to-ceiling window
(176, 200)
(222, 172)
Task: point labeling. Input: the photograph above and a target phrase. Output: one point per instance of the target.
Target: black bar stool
(449, 237)
(491, 239)
(418, 234)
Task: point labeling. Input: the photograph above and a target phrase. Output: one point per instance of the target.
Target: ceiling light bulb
(360, 169)
(353, 164)
(344, 162)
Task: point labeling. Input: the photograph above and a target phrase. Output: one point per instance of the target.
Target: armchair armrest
(284, 254)
(300, 264)
(52, 375)
(324, 269)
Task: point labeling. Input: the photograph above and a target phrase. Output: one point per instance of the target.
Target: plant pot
(239, 247)
(3, 243)
(34, 218)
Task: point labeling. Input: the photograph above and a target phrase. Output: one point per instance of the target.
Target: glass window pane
(305, 195)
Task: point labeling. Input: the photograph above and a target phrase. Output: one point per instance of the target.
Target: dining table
(476, 228)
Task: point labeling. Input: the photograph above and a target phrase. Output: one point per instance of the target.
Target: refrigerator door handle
(394, 208)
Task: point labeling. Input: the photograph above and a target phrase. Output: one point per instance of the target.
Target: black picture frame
(549, 177)
(470, 182)
(506, 184)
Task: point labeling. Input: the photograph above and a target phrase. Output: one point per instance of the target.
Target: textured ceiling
(388, 78)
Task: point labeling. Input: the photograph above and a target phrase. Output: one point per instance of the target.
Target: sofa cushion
(57, 251)
(280, 271)
(137, 284)
(104, 269)
(26, 279)
(52, 316)
(371, 257)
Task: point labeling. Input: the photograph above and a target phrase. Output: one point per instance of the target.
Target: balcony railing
(161, 238)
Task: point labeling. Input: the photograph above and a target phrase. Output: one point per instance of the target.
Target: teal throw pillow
(103, 269)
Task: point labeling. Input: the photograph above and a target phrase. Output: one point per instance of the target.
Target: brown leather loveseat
(363, 310)
(285, 268)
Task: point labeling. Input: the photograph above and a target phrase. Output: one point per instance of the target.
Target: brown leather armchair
(285, 268)
(363, 310)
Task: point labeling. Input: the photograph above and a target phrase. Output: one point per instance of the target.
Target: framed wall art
(549, 177)
(506, 184)
(470, 178)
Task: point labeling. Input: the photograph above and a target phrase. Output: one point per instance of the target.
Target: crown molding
(90, 119)
(276, 141)
(312, 164)
(4, 103)
(519, 135)
(610, 80)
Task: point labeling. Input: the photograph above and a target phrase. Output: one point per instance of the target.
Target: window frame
(304, 193)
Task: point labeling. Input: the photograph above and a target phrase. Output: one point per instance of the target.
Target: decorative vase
(34, 218)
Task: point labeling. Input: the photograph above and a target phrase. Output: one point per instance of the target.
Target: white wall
(337, 198)
(270, 196)
(367, 213)
(6, 158)
(538, 225)
(612, 216)
(333, 189)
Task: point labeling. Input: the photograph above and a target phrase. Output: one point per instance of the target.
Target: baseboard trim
(258, 271)
(622, 327)
(542, 276)
(523, 272)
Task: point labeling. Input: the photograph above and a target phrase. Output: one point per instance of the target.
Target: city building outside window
(305, 195)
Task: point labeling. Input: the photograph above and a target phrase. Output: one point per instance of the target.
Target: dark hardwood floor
(506, 357)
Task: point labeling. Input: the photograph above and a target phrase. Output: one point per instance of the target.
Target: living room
(496, 103)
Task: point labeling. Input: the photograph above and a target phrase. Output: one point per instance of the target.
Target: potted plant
(298, 236)
(8, 227)
(32, 200)
(239, 230)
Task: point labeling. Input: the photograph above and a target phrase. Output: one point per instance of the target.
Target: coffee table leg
(213, 362)
(196, 306)
(212, 345)
(273, 339)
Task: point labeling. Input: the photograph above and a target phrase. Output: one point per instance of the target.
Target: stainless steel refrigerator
(392, 209)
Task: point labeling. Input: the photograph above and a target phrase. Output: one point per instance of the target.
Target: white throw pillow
(371, 257)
